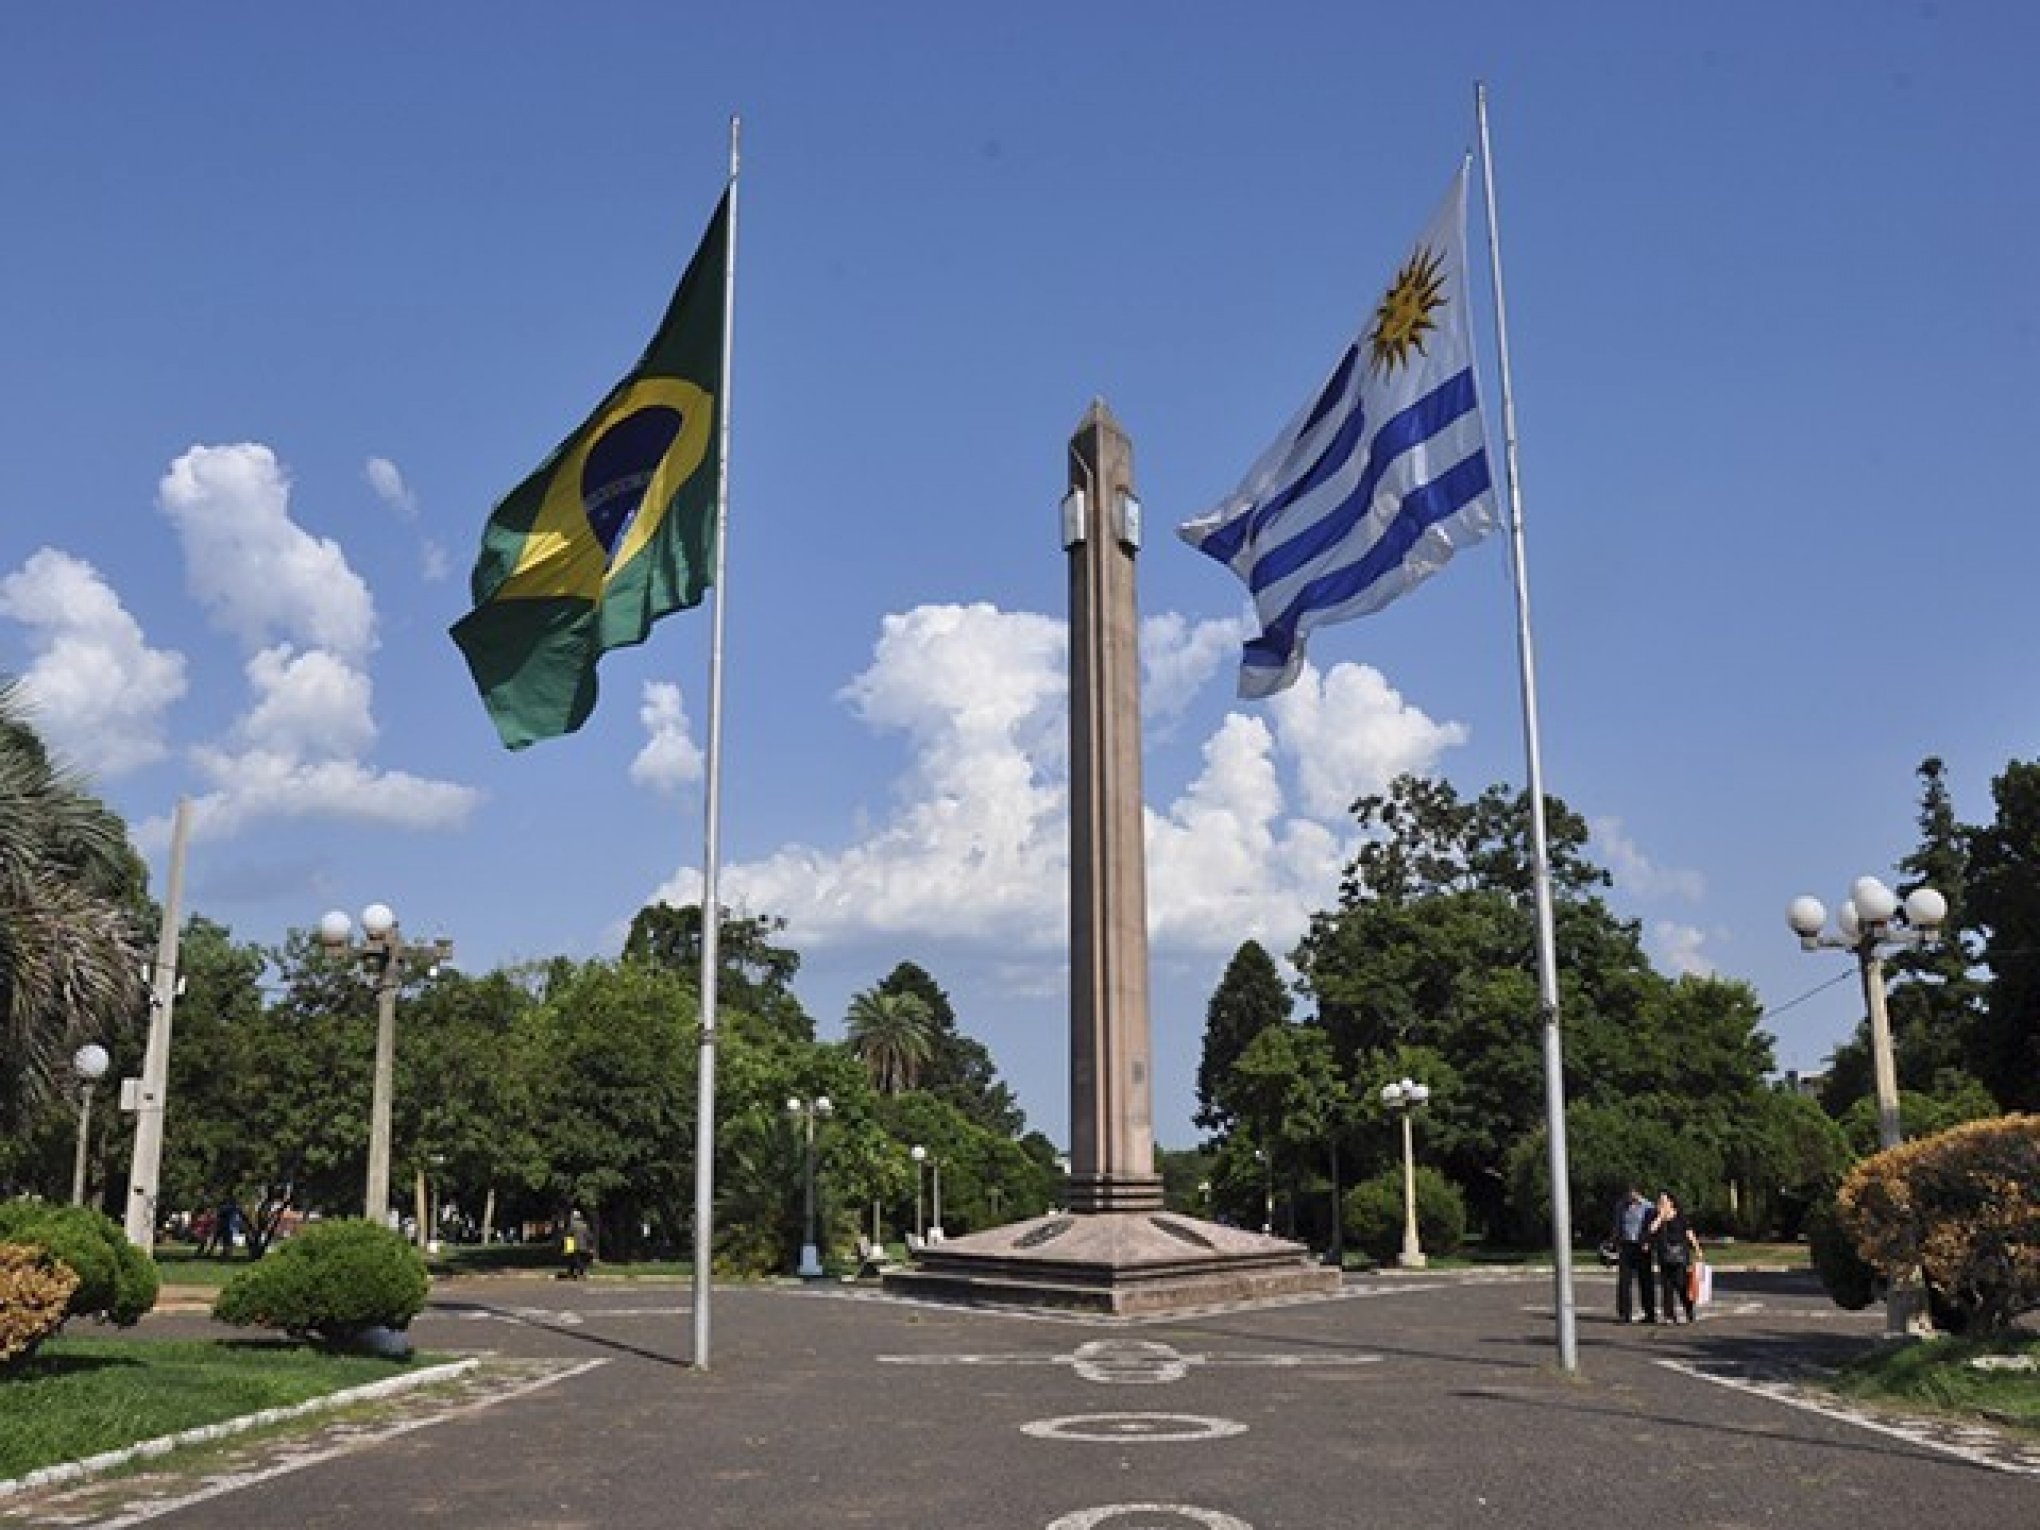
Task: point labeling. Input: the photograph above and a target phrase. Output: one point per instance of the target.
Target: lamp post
(1403, 1097)
(807, 1112)
(383, 957)
(1870, 921)
(920, 1156)
(90, 1063)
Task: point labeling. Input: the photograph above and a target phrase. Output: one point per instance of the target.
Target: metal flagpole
(711, 910)
(1547, 944)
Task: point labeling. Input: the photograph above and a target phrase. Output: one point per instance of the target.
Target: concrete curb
(71, 1471)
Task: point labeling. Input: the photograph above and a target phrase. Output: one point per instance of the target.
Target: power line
(1779, 1009)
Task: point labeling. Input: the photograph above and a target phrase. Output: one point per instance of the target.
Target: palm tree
(71, 949)
(893, 1034)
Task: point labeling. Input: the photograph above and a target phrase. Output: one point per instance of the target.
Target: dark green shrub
(1847, 1279)
(1374, 1215)
(117, 1282)
(329, 1283)
(1608, 1149)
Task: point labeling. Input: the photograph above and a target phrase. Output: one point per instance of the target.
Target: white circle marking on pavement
(1148, 1516)
(1132, 1428)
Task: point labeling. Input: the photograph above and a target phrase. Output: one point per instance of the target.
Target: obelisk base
(1128, 1264)
(1089, 1194)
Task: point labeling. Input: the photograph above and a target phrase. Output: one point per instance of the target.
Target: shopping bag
(1700, 1283)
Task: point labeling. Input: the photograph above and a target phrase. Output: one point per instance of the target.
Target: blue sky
(290, 299)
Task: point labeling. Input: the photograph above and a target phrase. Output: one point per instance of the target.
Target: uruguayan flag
(1375, 486)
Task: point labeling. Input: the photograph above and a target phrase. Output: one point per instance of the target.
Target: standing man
(1632, 1219)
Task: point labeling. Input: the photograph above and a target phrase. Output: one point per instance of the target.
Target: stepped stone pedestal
(1123, 1263)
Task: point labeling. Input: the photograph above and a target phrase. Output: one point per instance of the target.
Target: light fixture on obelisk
(1112, 1142)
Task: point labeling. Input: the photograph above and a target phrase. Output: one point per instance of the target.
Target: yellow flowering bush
(1962, 1208)
(35, 1291)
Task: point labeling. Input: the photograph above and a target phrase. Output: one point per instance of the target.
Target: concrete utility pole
(146, 1166)
(1112, 1140)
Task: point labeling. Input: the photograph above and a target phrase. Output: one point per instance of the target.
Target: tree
(2004, 898)
(893, 1036)
(1250, 998)
(752, 973)
(1935, 997)
(217, 1067)
(959, 1068)
(1286, 1086)
(1432, 951)
(608, 1071)
(71, 942)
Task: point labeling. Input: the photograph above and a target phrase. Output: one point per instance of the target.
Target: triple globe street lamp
(1871, 921)
(1403, 1097)
(384, 956)
(807, 1112)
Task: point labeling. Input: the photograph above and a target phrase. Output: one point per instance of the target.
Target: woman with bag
(1673, 1241)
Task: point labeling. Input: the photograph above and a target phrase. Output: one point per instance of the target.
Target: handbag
(1700, 1283)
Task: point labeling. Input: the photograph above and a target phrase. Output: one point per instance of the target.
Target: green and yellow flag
(614, 531)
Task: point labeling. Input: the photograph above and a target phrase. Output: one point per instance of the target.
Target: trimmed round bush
(117, 1282)
(1374, 1214)
(330, 1283)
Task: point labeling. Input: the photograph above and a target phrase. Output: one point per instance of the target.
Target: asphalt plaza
(1411, 1399)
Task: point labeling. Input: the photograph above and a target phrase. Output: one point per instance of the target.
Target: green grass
(1936, 1375)
(179, 1265)
(78, 1397)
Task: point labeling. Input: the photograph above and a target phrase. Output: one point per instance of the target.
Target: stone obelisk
(1114, 1249)
(1112, 1141)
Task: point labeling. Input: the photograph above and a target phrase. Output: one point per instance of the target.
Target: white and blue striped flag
(1375, 486)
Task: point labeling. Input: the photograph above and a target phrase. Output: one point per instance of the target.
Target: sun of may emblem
(1404, 317)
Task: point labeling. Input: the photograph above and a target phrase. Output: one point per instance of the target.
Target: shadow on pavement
(580, 1335)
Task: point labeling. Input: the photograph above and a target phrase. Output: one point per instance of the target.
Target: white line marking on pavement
(1152, 1516)
(1132, 1428)
(1977, 1446)
(1134, 1362)
(233, 1482)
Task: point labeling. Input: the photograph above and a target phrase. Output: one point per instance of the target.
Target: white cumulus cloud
(387, 479)
(973, 852)
(97, 691)
(259, 575)
(670, 758)
(1678, 946)
(1636, 872)
(311, 705)
(1349, 732)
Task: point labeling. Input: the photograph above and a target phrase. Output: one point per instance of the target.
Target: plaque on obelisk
(1112, 1141)
(1115, 1249)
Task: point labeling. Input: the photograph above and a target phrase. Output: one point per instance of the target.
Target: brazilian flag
(614, 531)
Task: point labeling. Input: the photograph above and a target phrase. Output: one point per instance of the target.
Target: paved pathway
(1412, 1400)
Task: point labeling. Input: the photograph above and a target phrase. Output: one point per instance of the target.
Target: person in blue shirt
(1632, 1278)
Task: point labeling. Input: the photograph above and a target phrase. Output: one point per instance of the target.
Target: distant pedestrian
(1632, 1277)
(1676, 1247)
(578, 1246)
